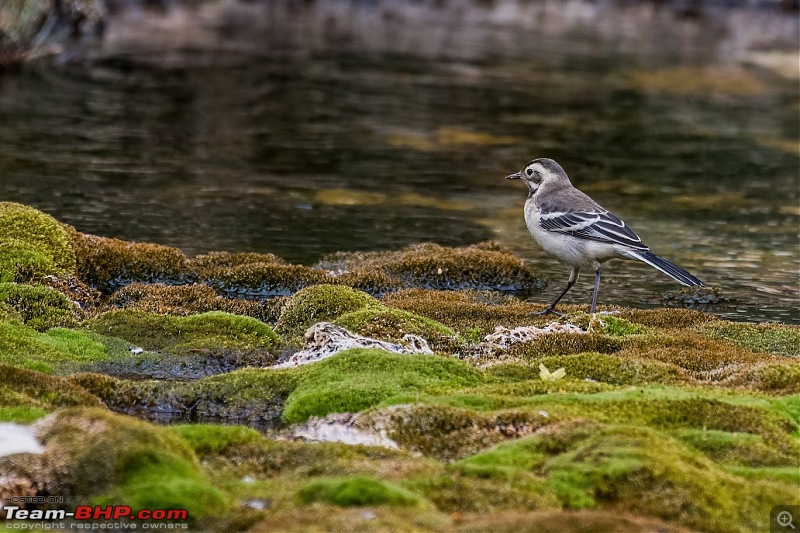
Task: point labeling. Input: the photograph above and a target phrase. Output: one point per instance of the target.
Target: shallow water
(308, 131)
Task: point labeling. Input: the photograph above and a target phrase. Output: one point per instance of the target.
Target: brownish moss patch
(703, 358)
(183, 300)
(109, 264)
(482, 266)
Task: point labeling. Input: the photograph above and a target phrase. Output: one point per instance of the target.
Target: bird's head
(539, 173)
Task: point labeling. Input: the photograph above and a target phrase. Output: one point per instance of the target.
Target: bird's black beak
(517, 176)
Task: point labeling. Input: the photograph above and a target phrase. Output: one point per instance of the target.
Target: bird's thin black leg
(596, 288)
(573, 277)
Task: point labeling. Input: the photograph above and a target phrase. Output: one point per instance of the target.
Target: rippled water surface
(307, 132)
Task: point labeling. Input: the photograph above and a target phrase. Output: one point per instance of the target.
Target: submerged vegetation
(669, 419)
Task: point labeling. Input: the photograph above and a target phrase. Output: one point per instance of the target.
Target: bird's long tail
(670, 269)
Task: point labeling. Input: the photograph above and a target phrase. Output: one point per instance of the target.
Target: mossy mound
(27, 394)
(319, 303)
(566, 521)
(350, 381)
(209, 265)
(213, 330)
(431, 266)
(738, 449)
(249, 275)
(109, 264)
(355, 380)
(183, 300)
(666, 318)
(600, 367)
(57, 350)
(32, 245)
(776, 378)
(142, 466)
(40, 307)
(590, 465)
(248, 396)
(564, 343)
(392, 324)
(703, 358)
(447, 432)
(764, 338)
(357, 491)
(466, 310)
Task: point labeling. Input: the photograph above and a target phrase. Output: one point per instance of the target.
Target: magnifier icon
(784, 519)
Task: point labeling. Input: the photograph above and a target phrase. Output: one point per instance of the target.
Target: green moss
(319, 303)
(765, 338)
(779, 378)
(354, 380)
(57, 349)
(739, 449)
(448, 433)
(590, 465)
(357, 491)
(21, 415)
(207, 439)
(613, 369)
(391, 324)
(247, 395)
(40, 307)
(703, 358)
(109, 264)
(32, 245)
(142, 465)
(618, 327)
(27, 394)
(212, 330)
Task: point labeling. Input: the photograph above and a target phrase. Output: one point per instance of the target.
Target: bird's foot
(547, 310)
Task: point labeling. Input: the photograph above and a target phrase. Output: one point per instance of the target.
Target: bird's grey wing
(596, 225)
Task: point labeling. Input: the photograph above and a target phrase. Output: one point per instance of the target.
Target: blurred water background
(305, 128)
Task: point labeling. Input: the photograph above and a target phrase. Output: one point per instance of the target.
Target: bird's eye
(529, 172)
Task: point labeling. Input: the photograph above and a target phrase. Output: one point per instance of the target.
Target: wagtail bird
(574, 229)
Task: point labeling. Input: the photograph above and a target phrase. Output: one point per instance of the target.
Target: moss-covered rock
(592, 465)
(213, 330)
(32, 245)
(183, 300)
(319, 303)
(27, 394)
(482, 266)
(740, 449)
(57, 349)
(109, 264)
(248, 396)
(599, 367)
(764, 338)
(142, 466)
(703, 358)
(776, 378)
(251, 275)
(40, 307)
(355, 380)
(357, 491)
(391, 324)
(448, 433)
